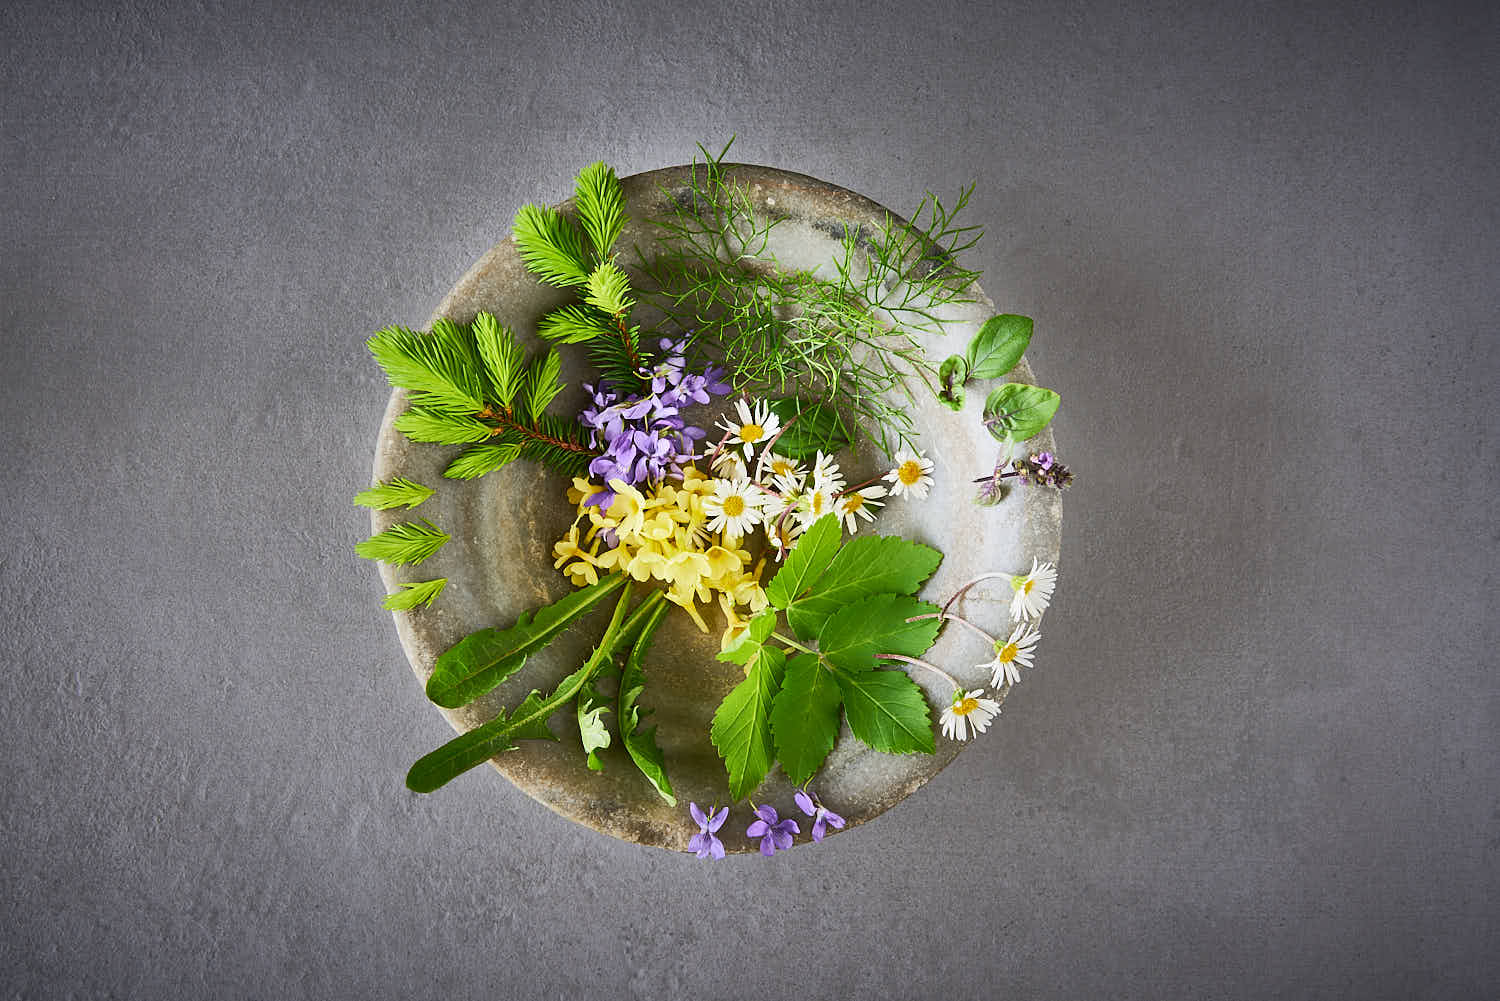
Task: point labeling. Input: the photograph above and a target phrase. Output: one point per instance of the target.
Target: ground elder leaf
(872, 564)
(741, 729)
(805, 717)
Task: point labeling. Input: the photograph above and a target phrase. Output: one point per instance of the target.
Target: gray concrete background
(1258, 757)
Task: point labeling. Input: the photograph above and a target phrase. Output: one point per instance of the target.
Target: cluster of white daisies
(755, 486)
(971, 711)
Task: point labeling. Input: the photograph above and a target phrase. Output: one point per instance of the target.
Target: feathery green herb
(399, 492)
(422, 592)
(407, 542)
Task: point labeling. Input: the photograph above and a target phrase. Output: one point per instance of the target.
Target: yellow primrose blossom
(661, 534)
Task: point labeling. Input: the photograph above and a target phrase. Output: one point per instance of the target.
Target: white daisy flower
(967, 712)
(912, 475)
(1012, 654)
(730, 465)
(785, 474)
(1033, 591)
(753, 428)
(817, 501)
(733, 508)
(826, 472)
(859, 504)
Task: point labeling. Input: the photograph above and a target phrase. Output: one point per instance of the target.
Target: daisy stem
(921, 663)
(858, 486)
(953, 618)
(960, 592)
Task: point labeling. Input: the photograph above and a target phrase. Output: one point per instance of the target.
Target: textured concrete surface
(1258, 757)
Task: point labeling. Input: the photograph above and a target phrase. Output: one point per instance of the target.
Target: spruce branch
(504, 358)
(422, 592)
(574, 324)
(421, 424)
(601, 206)
(485, 457)
(397, 493)
(407, 542)
(433, 365)
(542, 385)
(551, 246)
(609, 290)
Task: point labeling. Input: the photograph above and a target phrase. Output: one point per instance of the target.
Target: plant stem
(921, 663)
(792, 643)
(953, 618)
(960, 592)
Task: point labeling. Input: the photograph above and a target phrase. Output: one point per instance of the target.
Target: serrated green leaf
(952, 375)
(853, 635)
(551, 246)
(810, 427)
(887, 711)
(806, 562)
(608, 289)
(419, 424)
(430, 365)
(872, 564)
(483, 659)
(398, 492)
(998, 346)
(542, 385)
(574, 324)
(805, 717)
(601, 206)
(1019, 411)
(640, 741)
(758, 630)
(408, 542)
(414, 593)
(529, 720)
(504, 358)
(741, 729)
(482, 458)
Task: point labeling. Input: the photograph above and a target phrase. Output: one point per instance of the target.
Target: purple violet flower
(775, 834)
(1043, 460)
(822, 816)
(704, 843)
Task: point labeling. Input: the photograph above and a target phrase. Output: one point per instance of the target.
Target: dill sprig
(850, 337)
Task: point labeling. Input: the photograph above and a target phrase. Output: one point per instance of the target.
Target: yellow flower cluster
(662, 535)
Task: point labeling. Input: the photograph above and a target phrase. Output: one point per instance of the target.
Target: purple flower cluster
(644, 437)
(775, 834)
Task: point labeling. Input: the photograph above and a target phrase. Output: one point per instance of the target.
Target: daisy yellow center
(1023, 584)
(854, 502)
(965, 705)
(1028, 586)
(734, 506)
(751, 433)
(1008, 653)
(781, 467)
(910, 472)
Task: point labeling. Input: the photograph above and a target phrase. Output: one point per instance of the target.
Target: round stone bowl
(503, 526)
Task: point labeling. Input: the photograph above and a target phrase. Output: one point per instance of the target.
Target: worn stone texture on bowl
(499, 564)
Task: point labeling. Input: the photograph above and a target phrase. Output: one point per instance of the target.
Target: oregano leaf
(1019, 411)
(952, 375)
(805, 717)
(998, 346)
